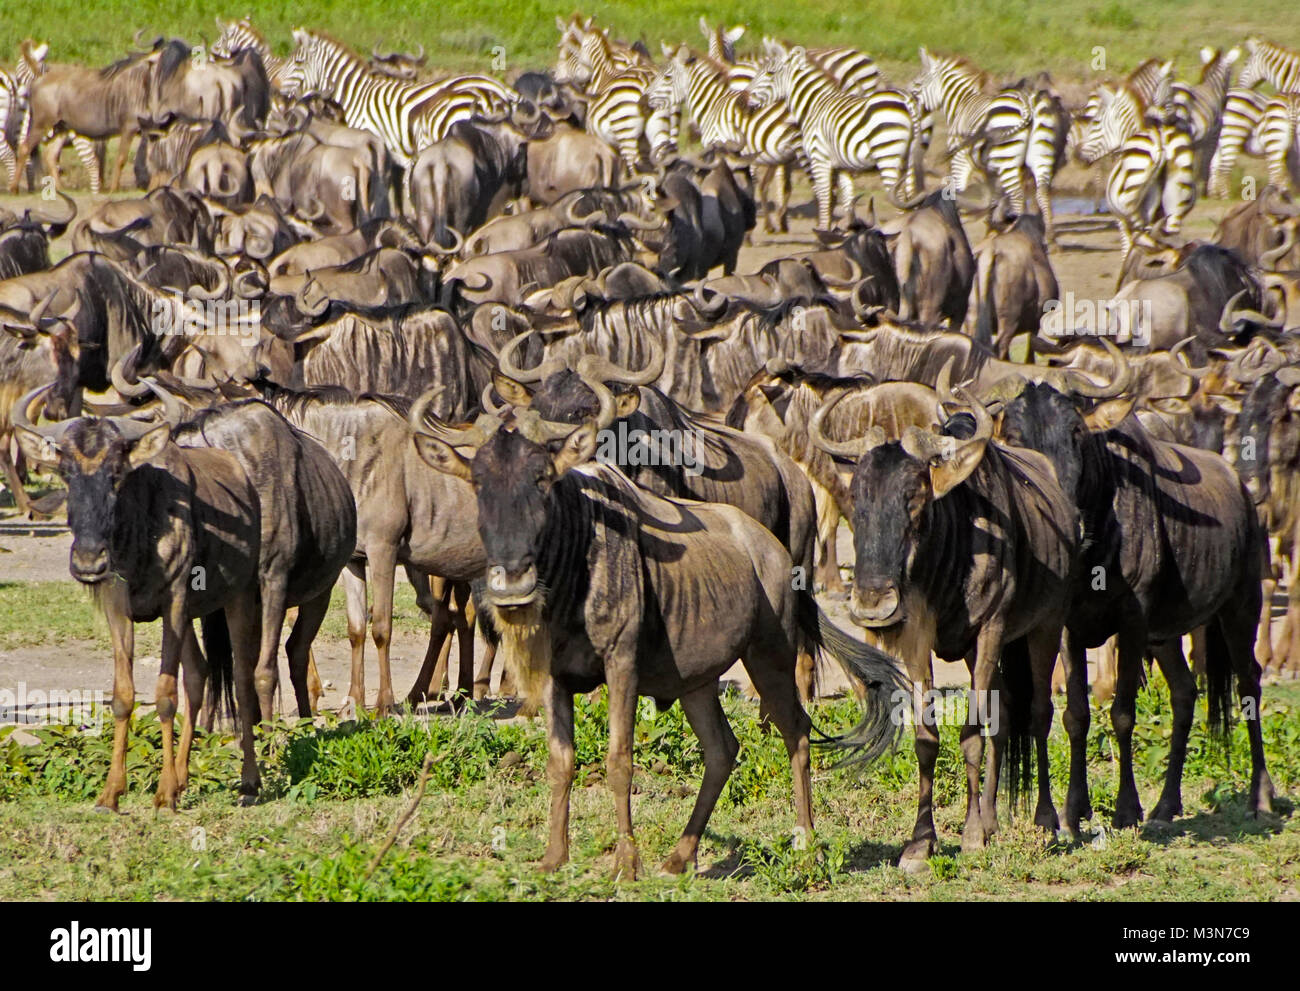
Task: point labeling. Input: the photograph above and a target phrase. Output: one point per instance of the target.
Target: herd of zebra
(828, 110)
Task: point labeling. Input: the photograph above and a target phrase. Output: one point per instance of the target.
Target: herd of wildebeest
(359, 314)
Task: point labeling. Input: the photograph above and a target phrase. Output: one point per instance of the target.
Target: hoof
(676, 865)
(1167, 812)
(1048, 820)
(915, 857)
(106, 809)
(914, 865)
(247, 801)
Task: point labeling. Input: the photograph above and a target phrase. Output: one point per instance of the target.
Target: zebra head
(1255, 69)
(671, 84)
(237, 35)
(775, 76)
(1096, 140)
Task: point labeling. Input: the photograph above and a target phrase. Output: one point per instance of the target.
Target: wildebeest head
(894, 483)
(94, 456)
(514, 472)
(1269, 426)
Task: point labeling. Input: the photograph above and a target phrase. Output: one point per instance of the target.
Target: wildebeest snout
(875, 604)
(512, 586)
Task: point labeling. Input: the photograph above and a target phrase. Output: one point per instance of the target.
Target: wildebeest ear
(36, 448)
(578, 447)
(1226, 403)
(150, 445)
(949, 472)
(1109, 414)
(441, 457)
(627, 403)
(511, 391)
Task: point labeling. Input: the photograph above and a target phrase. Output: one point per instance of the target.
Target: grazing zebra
(408, 116)
(1278, 138)
(1122, 112)
(765, 136)
(1198, 108)
(1015, 129)
(1243, 109)
(1270, 63)
(1153, 182)
(843, 133)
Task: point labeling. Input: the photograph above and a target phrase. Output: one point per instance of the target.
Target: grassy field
(333, 791)
(1004, 36)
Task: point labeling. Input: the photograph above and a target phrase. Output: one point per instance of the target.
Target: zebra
(1015, 129)
(1243, 109)
(1153, 182)
(1122, 112)
(843, 133)
(238, 35)
(1278, 138)
(1199, 108)
(1267, 62)
(765, 136)
(408, 116)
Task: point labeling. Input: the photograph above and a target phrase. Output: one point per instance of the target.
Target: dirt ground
(1085, 261)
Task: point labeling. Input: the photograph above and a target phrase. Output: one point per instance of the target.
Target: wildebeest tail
(1218, 681)
(1017, 677)
(221, 663)
(879, 727)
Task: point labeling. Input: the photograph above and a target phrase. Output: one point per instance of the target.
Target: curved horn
(522, 375)
(223, 286)
(173, 409)
(1178, 356)
(41, 217)
(1269, 259)
(315, 214)
(608, 371)
(1081, 385)
(852, 449)
(21, 415)
(117, 375)
(1225, 316)
(241, 289)
(458, 242)
(471, 436)
(300, 298)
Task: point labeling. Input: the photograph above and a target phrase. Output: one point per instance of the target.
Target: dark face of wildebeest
(1270, 433)
(1044, 420)
(95, 457)
(890, 491)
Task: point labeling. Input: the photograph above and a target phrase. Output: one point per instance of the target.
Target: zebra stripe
(1277, 139)
(618, 112)
(408, 116)
(1243, 109)
(1122, 113)
(1270, 63)
(1153, 182)
(240, 34)
(842, 133)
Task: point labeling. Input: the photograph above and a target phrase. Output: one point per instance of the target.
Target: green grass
(333, 791)
(1004, 36)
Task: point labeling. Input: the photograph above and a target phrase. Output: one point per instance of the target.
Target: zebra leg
(783, 204)
(822, 175)
(86, 151)
(10, 162)
(845, 183)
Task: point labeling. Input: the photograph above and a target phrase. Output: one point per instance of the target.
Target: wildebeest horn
(1122, 378)
(223, 285)
(421, 58)
(422, 422)
(636, 223)
(42, 217)
(317, 213)
(589, 370)
(240, 284)
(852, 449)
(37, 313)
(300, 298)
(604, 369)
(1272, 203)
(117, 375)
(1247, 369)
(852, 282)
(1269, 259)
(173, 409)
(578, 220)
(1179, 357)
(1225, 316)
(485, 399)
(458, 241)
(510, 370)
(21, 415)
(932, 443)
(862, 312)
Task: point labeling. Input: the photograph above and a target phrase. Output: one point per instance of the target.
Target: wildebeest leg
(769, 672)
(1043, 648)
(621, 679)
(720, 747)
(439, 631)
(559, 771)
(921, 846)
(123, 147)
(243, 618)
(1198, 653)
(194, 670)
(314, 687)
(1123, 714)
(1103, 686)
(463, 619)
(176, 628)
(354, 588)
(1264, 641)
(383, 571)
(310, 616)
(827, 556)
(981, 809)
(1182, 700)
(116, 605)
(267, 675)
(12, 478)
(1235, 631)
(1077, 718)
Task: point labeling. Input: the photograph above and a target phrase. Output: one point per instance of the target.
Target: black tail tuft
(1017, 767)
(221, 663)
(1218, 682)
(880, 726)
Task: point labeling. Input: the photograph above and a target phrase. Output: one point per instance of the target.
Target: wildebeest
(964, 547)
(1014, 281)
(1170, 543)
(593, 580)
(933, 262)
(569, 160)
